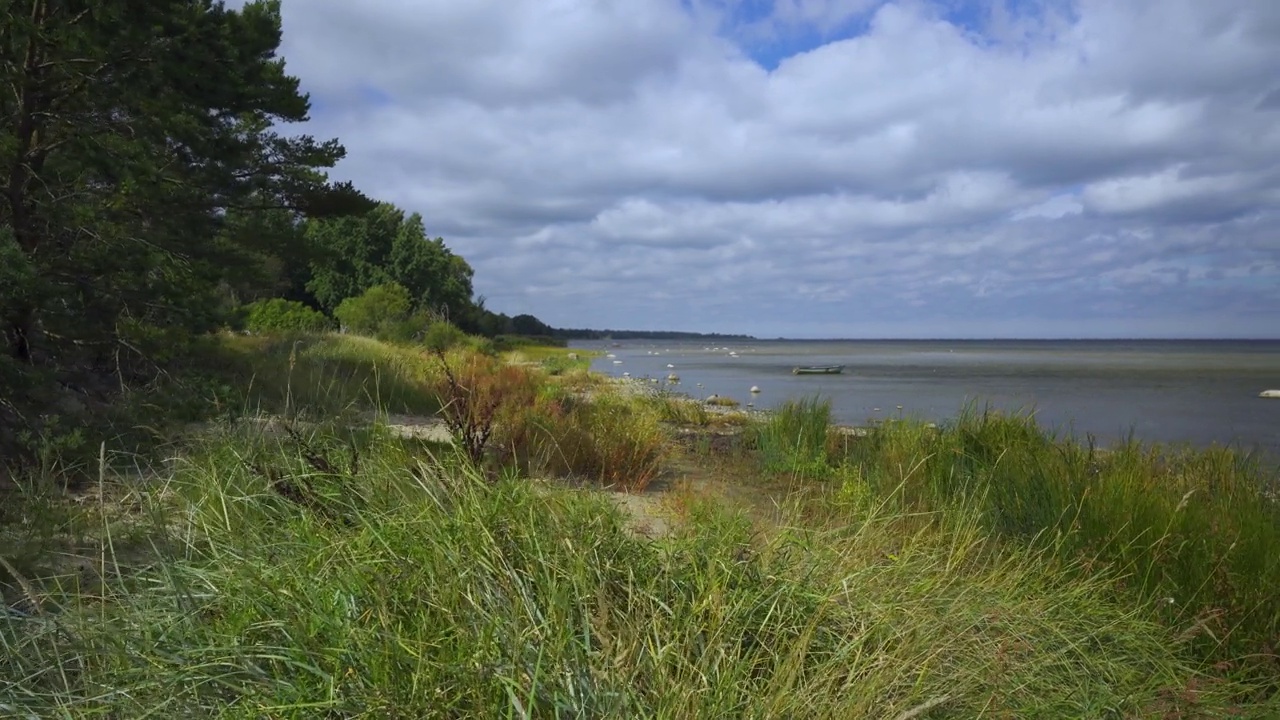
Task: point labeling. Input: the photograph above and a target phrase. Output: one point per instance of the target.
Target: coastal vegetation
(263, 453)
(316, 547)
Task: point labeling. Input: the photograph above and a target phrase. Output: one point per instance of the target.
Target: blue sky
(770, 49)
(855, 168)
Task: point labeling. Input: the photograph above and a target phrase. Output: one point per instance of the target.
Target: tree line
(149, 190)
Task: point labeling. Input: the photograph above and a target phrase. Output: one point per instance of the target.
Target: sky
(824, 168)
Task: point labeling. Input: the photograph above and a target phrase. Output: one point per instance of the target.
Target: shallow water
(1198, 392)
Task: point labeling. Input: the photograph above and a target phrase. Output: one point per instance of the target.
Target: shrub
(476, 394)
(280, 315)
(506, 343)
(380, 308)
(443, 335)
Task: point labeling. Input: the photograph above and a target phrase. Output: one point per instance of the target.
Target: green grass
(327, 374)
(324, 375)
(678, 410)
(793, 440)
(1189, 531)
(412, 587)
(554, 360)
(983, 569)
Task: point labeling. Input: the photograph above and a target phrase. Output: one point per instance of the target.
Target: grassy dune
(321, 565)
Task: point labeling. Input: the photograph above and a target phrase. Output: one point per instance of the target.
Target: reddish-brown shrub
(476, 394)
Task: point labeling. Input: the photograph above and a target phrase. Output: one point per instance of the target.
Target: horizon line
(1109, 338)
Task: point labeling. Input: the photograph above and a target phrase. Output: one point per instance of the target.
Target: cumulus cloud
(905, 168)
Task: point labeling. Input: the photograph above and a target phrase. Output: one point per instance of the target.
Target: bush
(380, 309)
(506, 343)
(443, 335)
(280, 315)
(476, 394)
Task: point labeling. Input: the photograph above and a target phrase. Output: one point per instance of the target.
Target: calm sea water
(1198, 392)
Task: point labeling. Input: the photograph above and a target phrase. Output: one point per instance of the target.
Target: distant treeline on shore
(584, 334)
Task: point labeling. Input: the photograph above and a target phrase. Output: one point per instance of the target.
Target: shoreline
(1201, 396)
(637, 387)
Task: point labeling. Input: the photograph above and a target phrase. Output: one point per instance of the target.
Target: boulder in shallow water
(1270, 394)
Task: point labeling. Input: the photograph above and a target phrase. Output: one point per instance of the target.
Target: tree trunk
(19, 326)
(17, 334)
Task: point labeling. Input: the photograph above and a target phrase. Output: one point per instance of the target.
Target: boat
(818, 370)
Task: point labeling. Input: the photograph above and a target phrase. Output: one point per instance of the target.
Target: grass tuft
(793, 440)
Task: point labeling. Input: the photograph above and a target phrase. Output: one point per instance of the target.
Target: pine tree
(131, 131)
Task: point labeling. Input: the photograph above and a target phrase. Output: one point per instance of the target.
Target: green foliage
(384, 246)
(325, 376)
(1190, 531)
(374, 310)
(279, 315)
(530, 326)
(793, 441)
(351, 575)
(560, 364)
(443, 335)
(17, 272)
(267, 255)
(135, 136)
(507, 342)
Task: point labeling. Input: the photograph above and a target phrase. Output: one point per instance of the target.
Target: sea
(1191, 392)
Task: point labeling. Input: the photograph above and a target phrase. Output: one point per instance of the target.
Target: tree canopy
(132, 133)
(149, 186)
(382, 246)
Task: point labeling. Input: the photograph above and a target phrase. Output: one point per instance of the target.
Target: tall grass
(1190, 531)
(413, 588)
(793, 440)
(614, 441)
(326, 374)
(681, 411)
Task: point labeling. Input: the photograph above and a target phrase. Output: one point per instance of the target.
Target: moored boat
(818, 370)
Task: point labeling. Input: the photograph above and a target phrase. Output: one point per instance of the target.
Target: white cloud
(1170, 188)
(625, 163)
